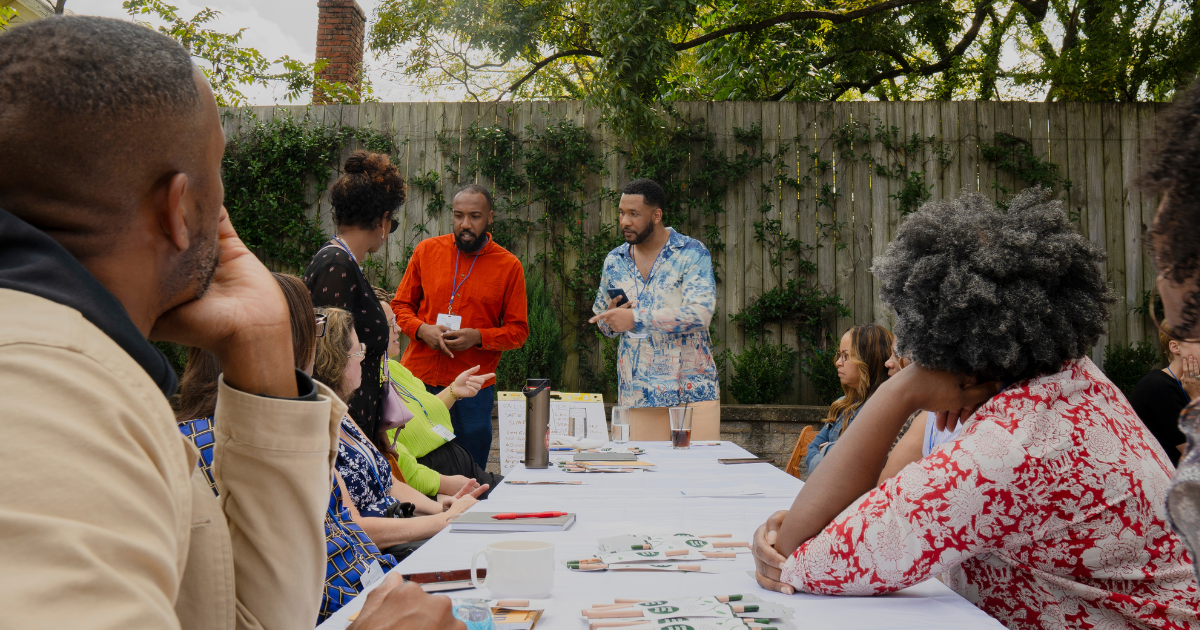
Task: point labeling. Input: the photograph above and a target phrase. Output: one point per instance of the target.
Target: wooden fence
(848, 211)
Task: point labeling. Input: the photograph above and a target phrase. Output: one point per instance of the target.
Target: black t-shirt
(334, 279)
(1158, 399)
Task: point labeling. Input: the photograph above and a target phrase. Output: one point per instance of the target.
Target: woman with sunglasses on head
(395, 513)
(860, 361)
(365, 199)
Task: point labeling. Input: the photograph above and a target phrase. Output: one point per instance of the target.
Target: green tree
(231, 67)
(633, 56)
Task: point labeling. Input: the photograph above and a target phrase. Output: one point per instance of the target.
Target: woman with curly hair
(860, 361)
(1046, 512)
(365, 199)
(1175, 175)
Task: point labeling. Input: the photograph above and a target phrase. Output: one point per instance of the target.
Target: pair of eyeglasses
(320, 322)
(362, 351)
(1154, 298)
(843, 356)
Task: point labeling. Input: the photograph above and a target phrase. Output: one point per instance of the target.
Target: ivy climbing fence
(793, 199)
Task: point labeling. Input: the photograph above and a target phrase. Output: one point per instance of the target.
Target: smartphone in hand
(614, 293)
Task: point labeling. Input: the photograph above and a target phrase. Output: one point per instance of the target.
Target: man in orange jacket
(463, 299)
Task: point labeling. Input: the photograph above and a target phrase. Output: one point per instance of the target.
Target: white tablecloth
(626, 503)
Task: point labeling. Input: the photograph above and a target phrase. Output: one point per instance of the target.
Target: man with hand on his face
(112, 230)
(665, 357)
(462, 302)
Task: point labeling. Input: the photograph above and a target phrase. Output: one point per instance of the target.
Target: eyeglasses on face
(842, 356)
(320, 321)
(362, 351)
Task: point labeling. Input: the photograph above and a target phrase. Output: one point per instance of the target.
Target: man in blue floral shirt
(665, 357)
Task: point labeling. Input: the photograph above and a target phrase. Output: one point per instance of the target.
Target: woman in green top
(429, 436)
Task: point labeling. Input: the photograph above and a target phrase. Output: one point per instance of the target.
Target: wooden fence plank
(844, 255)
(788, 200)
(1147, 135)
(931, 125)
(968, 114)
(1131, 211)
(951, 174)
(802, 139)
(1114, 205)
(860, 217)
(1076, 163)
(1097, 228)
(769, 193)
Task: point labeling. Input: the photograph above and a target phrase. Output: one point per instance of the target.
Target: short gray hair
(1003, 295)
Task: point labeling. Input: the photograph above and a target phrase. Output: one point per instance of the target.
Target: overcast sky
(276, 28)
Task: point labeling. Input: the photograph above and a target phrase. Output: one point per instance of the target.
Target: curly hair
(333, 351)
(1175, 175)
(870, 348)
(1000, 295)
(370, 189)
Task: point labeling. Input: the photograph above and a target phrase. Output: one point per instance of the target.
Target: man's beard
(196, 270)
(471, 246)
(640, 237)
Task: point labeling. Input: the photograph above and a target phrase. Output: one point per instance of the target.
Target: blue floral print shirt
(365, 470)
(668, 359)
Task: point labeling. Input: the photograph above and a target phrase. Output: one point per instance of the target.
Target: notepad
(483, 522)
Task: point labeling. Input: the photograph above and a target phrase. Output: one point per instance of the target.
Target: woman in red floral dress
(1047, 511)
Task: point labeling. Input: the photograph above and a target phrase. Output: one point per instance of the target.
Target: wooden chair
(798, 453)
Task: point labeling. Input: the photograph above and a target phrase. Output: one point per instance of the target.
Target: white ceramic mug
(517, 568)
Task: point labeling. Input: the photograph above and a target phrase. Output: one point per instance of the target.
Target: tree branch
(578, 52)
(778, 96)
(926, 70)
(793, 16)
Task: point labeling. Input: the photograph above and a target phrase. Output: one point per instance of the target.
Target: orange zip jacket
(491, 299)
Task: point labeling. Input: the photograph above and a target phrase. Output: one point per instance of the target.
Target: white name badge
(444, 432)
(374, 574)
(633, 335)
(453, 322)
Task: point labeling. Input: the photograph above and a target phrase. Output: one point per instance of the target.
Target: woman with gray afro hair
(1046, 511)
(1000, 295)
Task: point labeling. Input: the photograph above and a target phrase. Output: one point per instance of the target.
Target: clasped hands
(619, 319)
(440, 337)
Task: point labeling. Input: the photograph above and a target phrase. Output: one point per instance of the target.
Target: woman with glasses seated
(365, 199)
(860, 361)
(351, 556)
(429, 436)
(396, 515)
(1047, 511)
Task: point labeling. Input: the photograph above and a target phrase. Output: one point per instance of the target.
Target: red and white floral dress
(1046, 513)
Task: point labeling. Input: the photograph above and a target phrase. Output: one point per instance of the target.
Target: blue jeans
(472, 420)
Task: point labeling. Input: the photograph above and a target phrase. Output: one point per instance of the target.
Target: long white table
(626, 503)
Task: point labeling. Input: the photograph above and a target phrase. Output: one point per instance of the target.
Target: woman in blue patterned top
(385, 507)
(352, 557)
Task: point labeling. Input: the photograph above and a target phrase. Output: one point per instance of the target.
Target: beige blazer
(105, 519)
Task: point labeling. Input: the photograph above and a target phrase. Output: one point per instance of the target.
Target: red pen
(512, 515)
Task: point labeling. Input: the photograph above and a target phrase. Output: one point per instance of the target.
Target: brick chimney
(340, 26)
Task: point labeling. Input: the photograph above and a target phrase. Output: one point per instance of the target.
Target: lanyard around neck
(346, 247)
(403, 391)
(366, 453)
(1179, 383)
(455, 285)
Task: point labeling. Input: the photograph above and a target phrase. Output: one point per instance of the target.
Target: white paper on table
(511, 409)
